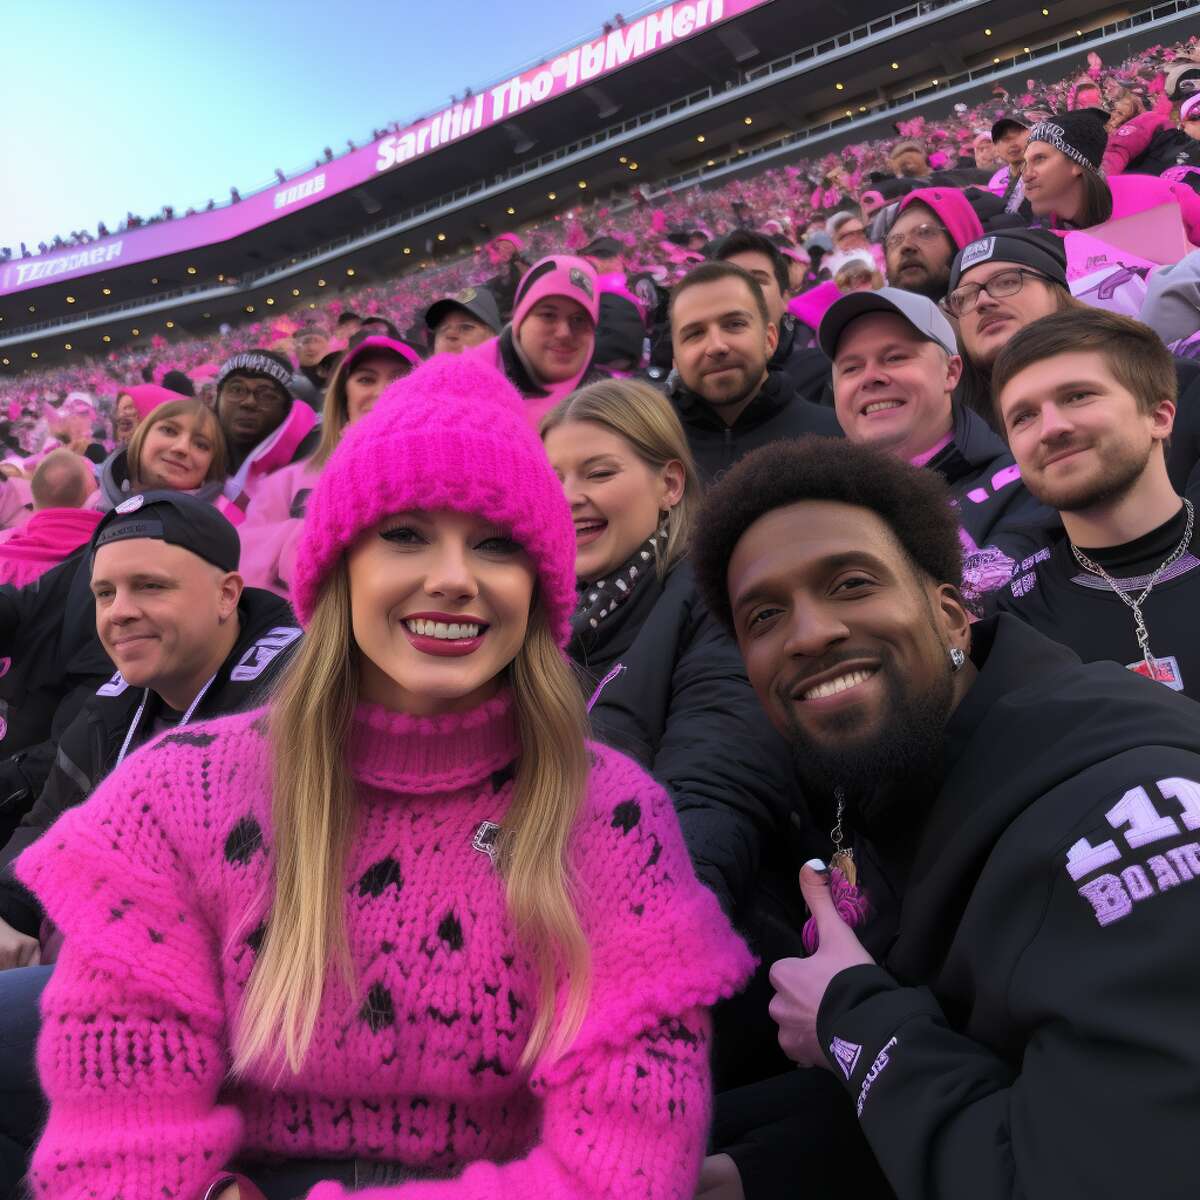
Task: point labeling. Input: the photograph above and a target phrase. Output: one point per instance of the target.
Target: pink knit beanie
(451, 435)
(558, 275)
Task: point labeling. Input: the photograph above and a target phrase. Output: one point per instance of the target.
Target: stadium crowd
(478, 736)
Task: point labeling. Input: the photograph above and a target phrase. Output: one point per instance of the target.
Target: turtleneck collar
(426, 755)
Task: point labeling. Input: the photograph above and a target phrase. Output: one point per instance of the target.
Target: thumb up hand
(800, 983)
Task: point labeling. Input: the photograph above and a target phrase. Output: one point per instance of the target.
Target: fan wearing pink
(275, 517)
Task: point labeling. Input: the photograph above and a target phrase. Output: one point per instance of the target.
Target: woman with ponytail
(404, 933)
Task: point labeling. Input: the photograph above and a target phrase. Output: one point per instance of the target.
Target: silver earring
(957, 658)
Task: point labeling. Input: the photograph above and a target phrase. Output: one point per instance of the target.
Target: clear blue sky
(117, 105)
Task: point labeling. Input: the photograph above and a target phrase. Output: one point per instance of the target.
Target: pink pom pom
(851, 904)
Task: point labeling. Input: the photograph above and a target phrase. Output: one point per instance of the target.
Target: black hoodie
(91, 744)
(1030, 1031)
(775, 413)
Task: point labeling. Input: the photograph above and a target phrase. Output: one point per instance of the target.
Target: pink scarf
(44, 541)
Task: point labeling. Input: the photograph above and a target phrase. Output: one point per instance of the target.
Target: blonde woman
(405, 925)
(178, 446)
(666, 684)
(275, 517)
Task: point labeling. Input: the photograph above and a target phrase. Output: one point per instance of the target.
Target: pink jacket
(1131, 139)
(159, 884)
(43, 542)
(271, 531)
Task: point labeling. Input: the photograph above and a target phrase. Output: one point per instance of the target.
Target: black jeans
(22, 1106)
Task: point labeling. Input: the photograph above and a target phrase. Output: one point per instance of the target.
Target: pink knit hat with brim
(558, 275)
(952, 208)
(453, 435)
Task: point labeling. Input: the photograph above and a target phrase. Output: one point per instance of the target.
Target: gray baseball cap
(919, 311)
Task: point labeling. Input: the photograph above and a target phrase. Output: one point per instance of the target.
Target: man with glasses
(931, 226)
(264, 426)
(1008, 280)
(895, 369)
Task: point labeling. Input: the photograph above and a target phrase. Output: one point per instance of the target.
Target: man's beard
(931, 284)
(1121, 466)
(752, 375)
(890, 778)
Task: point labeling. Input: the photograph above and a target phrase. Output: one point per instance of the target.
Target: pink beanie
(147, 397)
(451, 435)
(953, 209)
(558, 275)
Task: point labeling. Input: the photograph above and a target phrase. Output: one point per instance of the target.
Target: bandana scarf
(601, 599)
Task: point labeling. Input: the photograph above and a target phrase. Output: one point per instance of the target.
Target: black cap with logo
(173, 517)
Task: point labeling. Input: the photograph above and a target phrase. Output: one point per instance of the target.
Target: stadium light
(5, 361)
(1045, 12)
(33, 308)
(106, 338)
(154, 279)
(841, 87)
(106, 291)
(747, 120)
(220, 278)
(191, 270)
(249, 307)
(622, 160)
(1079, 33)
(995, 60)
(987, 33)
(862, 108)
(349, 270)
(551, 195)
(320, 283)
(712, 162)
(270, 299)
(895, 66)
(170, 324)
(407, 249)
(700, 137)
(442, 236)
(66, 345)
(512, 212)
(295, 291)
(33, 354)
(582, 184)
(633, 166)
(70, 299)
(135, 332)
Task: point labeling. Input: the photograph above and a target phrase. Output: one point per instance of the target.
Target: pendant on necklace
(843, 861)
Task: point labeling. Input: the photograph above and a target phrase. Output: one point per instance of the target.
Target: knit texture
(159, 884)
(452, 435)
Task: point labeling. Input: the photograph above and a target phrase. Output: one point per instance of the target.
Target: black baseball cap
(603, 247)
(1005, 123)
(478, 301)
(173, 517)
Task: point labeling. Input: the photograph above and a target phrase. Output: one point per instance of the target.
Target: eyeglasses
(1003, 283)
(268, 395)
(928, 232)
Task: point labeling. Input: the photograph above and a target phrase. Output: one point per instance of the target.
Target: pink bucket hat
(453, 434)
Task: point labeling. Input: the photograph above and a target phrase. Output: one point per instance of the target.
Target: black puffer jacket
(91, 744)
(669, 689)
(777, 412)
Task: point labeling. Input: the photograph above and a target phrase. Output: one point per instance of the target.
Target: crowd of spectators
(477, 735)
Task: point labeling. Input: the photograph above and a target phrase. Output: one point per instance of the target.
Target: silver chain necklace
(1140, 631)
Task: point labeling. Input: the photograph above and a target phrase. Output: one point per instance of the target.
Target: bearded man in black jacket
(1004, 980)
(726, 395)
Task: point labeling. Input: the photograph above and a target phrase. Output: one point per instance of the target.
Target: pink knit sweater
(158, 883)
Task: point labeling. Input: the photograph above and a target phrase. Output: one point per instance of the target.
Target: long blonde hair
(643, 417)
(312, 816)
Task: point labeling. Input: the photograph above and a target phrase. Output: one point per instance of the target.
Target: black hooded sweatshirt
(1030, 1030)
(91, 744)
(775, 413)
